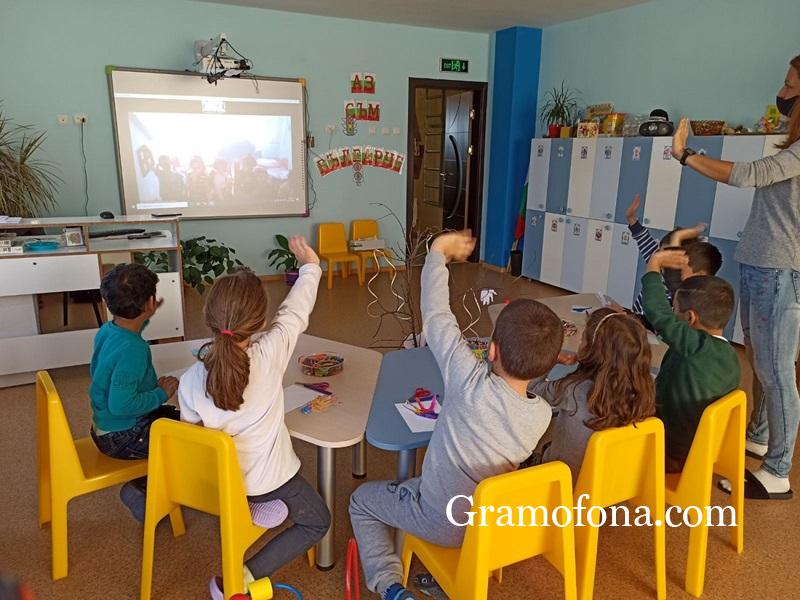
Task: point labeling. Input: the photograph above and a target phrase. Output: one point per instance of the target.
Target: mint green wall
(705, 59)
(55, 52)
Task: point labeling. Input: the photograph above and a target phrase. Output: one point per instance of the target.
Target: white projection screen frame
(209, 151)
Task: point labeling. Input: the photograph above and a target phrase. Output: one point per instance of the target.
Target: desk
(341, 427)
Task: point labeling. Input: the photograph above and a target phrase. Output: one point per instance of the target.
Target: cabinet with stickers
(576, 233)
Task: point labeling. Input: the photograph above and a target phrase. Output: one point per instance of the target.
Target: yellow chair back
(364, 229)
(331, 239)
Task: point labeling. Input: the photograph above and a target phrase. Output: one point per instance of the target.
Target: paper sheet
(415, 423)
(296, 396)
(653, 339)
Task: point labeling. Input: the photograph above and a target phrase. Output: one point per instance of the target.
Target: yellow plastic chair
(623, 463)
(198, 467)
(718, 447)
(463, 573)
(332, 248)
(367, 229)
(68, 468)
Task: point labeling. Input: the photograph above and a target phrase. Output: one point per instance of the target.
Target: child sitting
(704, 257)
(612, 386)
(700, 365)
(126, 397)
(237, 387)
(486, 427)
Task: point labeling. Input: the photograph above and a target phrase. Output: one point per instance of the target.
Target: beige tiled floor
(105, 543)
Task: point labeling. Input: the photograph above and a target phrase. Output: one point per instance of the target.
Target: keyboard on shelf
(113, 232)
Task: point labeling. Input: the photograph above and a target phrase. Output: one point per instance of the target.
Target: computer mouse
(106, 214)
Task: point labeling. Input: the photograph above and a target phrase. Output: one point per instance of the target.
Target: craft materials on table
(323, 364)
(299, 396)
(323, 387)
(420, 411)
(581, 309)
(570, 328)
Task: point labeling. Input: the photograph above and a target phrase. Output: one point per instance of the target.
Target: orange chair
(68, 468)
(367, 229)
(718, 447)
(622, 463)
(332, 248)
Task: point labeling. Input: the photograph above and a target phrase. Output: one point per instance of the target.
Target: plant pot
(291, 277)
(566, 132)
(553, 131)
(515, 264)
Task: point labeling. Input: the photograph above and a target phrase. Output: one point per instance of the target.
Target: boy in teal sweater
(700, 365)
(126, 396)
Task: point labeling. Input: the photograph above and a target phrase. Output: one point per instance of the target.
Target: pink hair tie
(226, 332)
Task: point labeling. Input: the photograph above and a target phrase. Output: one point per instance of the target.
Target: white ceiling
(464, 15)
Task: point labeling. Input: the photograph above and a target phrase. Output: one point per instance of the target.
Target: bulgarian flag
(519, 228)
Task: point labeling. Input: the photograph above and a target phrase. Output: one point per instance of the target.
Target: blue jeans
(133, 443)
(770, 312)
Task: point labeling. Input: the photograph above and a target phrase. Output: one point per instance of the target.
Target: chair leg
(361, 271)
(45, 495)
(586, 559)
(65, 307)
(311, 556)
(497, 575)
(148, 554)
(405, 557)
(737, 502)
(97, 314)
(661, 558)
(232, 573)
(58, 537)
(176, 520)
(330, 274)
(696, 561)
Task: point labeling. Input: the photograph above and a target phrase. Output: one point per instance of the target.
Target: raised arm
(713, 168)
(452, 353)
(646, 243)
(675, 332)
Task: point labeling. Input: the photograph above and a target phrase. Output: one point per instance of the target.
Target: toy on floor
(323, 364)
(351, 581)
(262, 589)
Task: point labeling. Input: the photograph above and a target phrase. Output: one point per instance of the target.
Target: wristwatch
(687, 152)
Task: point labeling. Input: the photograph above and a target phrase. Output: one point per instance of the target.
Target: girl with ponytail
(237, 387)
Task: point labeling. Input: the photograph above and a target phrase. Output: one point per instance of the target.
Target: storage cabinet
(696, 192)
(558, 175)
(534, 239)
(634, 172)
(663, 183)
(553, 248)
(605, 183)
(597, 259)
(622, 266)
(574, 261)
(538, 174)
(732, 204)
(581, 175)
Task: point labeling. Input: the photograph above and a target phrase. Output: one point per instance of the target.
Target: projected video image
(211, 160)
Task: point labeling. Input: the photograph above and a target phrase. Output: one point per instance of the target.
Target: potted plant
(282, 258)
(28, 184)
(558, 109)
(205, 259)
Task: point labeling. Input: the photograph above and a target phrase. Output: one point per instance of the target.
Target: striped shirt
(647, 247)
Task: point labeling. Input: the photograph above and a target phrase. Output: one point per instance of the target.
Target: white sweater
(265, 451)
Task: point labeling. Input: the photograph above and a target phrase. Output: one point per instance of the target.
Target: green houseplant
(282, 258)
(559, 109)
(28, 184)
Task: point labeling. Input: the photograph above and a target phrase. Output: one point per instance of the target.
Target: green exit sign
(453, 65)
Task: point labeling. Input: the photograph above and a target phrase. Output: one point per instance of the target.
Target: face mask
(785, 105)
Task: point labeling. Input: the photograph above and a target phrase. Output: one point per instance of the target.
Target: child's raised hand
(667, 259)
(455, 245)
(302, 251)
(169, 385)
(633, 208)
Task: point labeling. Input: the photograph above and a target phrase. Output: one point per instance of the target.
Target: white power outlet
(62, 119)
(81, 119)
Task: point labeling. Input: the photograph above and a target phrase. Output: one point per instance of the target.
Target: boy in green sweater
(700, 365)
(126, 396)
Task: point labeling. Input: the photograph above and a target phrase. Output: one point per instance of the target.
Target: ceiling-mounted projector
(217, 58)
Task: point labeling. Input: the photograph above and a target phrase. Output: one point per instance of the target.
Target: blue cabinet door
(696, 192)
(634, 170)
(573, 263)
(623, 266)
(558, 175)
(730, 273)
(534, 238)
(538, 174)
(605, 182)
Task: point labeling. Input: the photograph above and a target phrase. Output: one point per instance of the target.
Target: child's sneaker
(268, 514)
(215, 588)
(135, 499)
(427, 585)
(398, 592)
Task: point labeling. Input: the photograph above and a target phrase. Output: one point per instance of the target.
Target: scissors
(322, 387)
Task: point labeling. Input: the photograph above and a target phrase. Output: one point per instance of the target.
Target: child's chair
(367, 229)
(622, 463)
(332, 248)
(68, 468)
(198, 467)
(463, 573)
(718, 447)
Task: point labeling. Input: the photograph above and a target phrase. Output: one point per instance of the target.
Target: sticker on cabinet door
(598, 234)
(625, 239)
(637, 153)
(584, 152)
(607, 150)
(667, 155)
(540, 150)
(560, 152)
(554, 225)
(534, 221)
(576, 229)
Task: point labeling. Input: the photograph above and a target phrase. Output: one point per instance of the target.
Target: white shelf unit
(24, 348)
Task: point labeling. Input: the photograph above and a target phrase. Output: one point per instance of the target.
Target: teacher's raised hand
(679, 138)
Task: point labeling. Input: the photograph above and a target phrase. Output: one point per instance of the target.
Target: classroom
(399, 300)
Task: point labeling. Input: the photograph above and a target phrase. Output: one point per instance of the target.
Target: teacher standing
(769, 257)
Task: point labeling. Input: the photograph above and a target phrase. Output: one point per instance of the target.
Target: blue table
(402, 371)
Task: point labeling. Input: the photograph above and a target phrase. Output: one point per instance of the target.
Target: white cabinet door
(663, 183)
(732, 204)
(622, 266)
(597, 261)
(43, 274)
(18, 316)
(168, 320)
(572, 267)
(769, 144)
(538, 174)
(580, 177)
(552, 248)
